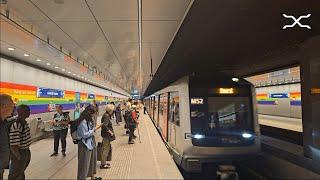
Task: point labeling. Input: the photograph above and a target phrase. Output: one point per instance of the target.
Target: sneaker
(64, 154)
(131, 142)
(105, 166)
(54, 154)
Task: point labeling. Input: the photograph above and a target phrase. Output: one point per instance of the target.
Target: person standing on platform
(107, 134)
(114, 108)
(87, 150)
(6, 108)
(118, 114)
(20, 140)
(132, 124)
(144, 109)
(96, 112)
(60, 130)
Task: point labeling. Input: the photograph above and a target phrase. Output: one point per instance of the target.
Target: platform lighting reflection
(235, 79)
(26, 55)
(48, 64)
(10, 48)
(38, 60)
(74, 74)
(198, 136)
(56, 67)
(69, 72)
(62, 69)
(246, 135)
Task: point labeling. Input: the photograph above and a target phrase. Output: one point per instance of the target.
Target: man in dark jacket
(6, 108)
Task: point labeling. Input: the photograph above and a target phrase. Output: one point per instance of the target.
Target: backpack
(74, 127)
(128, 117)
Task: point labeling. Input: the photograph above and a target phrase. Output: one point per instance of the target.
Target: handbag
(112, 138)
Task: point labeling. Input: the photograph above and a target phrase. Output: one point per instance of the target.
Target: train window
(174, 108)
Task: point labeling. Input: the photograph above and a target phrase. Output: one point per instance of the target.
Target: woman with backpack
(87, 151)
(107, 134)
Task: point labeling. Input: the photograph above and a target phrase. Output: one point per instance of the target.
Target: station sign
(49, 93)
(91, 96)
(279, 95)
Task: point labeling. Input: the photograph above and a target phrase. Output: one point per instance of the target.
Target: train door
(151, 108)
(163, 115)
(156, 110)
(174, 119)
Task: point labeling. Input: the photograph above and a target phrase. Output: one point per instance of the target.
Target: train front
(224, 126)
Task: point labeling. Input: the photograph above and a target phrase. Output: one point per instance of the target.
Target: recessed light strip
(140, 40)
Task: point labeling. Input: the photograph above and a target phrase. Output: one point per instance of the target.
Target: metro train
(207, 120)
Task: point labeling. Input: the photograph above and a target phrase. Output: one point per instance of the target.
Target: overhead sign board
(279, 95)
(49, 93)
(91, 96)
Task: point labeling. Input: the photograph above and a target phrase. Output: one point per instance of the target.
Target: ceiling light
(10, 48)
(69, 72)
(38, 60)
(26, 55)
(82, 77)
(48, 64)
(74, 74)
(56, 67)
(62, 69)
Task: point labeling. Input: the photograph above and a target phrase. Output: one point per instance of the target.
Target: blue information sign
(49, 93)
(91, 96)
(279, 95)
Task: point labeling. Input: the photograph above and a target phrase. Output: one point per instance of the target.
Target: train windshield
(228, 114)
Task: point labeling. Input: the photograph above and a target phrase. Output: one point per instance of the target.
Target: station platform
(146, 160)
(293, 124)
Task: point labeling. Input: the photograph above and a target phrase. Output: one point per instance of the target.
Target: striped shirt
(20, 135)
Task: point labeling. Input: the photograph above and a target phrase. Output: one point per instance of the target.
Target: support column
(310, 92)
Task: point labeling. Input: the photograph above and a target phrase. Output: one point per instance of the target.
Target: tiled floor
(146, 160)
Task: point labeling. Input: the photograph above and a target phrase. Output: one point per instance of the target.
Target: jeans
(57, 135)
(18, 166)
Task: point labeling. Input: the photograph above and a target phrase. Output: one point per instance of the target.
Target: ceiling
(100, 34)
(239, 38)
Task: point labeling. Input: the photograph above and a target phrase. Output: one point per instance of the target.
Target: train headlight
(246, 135)
(235, 79)
(198, 136)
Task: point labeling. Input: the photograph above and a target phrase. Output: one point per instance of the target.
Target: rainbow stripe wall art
(39, 101)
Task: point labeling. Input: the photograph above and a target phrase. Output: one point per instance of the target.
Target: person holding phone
(60, 130)
(87, 149)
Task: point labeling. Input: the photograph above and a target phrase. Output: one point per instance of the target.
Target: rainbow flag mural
(264, 99)
(31, 96)
(295, 98)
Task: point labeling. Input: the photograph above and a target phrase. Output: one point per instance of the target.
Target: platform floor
(146, 160)
(293, 124)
